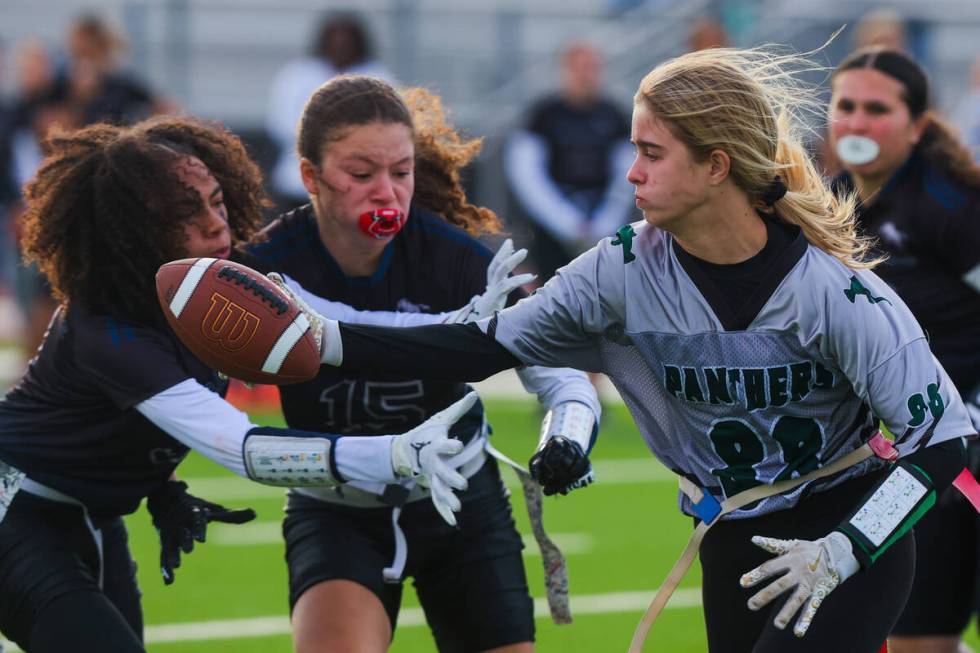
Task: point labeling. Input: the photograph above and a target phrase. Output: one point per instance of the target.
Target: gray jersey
(831, 351)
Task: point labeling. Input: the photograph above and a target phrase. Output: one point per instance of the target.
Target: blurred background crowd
(548, 85)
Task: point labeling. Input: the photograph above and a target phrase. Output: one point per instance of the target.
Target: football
(237, 321)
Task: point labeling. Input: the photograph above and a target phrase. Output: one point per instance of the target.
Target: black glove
(180, 518)
(561, 466)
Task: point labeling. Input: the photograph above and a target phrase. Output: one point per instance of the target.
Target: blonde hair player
(756, 351)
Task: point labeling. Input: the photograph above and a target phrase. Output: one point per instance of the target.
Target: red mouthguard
(381, 222)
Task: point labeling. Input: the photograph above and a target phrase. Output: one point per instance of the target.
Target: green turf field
(621, 535)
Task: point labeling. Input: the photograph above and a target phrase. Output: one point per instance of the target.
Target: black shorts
(46, 552)
(947, 545)
(470, 580)
(855, 618)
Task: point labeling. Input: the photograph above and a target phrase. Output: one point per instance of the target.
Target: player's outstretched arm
(500, 284)
(560, 325)
(451, 352)
(205, 422)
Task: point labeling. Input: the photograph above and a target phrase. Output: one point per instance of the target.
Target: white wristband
(332, 350)
(571, 419)
(288, 461)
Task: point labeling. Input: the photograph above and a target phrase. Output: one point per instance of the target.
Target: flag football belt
(709, 511)
(555, 568)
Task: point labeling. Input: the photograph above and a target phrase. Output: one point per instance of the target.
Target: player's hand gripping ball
(561, 466)
(238, 322)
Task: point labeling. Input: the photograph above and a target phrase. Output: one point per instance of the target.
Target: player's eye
(402, 174)
(845, 106)
(877, 109)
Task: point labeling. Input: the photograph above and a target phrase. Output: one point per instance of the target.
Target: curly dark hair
(440, 151)
(107, 208)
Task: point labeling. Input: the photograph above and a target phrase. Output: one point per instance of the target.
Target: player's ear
(719, 165)
(310, 174)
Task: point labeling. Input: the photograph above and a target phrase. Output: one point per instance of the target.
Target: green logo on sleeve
(858, 289)
(920, 408)
(625, 237)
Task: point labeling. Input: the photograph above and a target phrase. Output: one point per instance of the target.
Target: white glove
(316, 320)
(499, 285)
(813, 568)
(423, 454)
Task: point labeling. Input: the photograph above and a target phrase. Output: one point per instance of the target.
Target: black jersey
(929, 227)
(71, 422)
(579, 140)
(430, 266)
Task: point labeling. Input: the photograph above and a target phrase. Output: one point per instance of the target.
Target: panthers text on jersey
(730, 400)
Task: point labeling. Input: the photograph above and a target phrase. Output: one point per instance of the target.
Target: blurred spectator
(341, 45)
(38, 107)
(966, 116)
(881, 27)
(707, 33)
(35, 94)
(94, 85)
(567, 165)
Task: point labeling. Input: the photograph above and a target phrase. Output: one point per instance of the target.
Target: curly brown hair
(107, 208)
(440, 151)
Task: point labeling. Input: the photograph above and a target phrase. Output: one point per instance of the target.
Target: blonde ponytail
(751, 104)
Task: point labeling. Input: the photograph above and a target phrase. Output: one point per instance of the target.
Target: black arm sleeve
(942, 463)
(448, 352)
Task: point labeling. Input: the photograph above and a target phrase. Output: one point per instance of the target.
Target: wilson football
(237, 321)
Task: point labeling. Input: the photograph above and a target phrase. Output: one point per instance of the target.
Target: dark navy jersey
(430, 266)
(71, 422)
(929, 227)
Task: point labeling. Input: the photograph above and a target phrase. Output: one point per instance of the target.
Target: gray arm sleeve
(884, 354)
(561, 323)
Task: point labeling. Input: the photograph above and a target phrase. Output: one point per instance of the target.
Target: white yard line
(194, 631)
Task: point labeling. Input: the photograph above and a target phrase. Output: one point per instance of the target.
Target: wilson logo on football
(229, 324)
